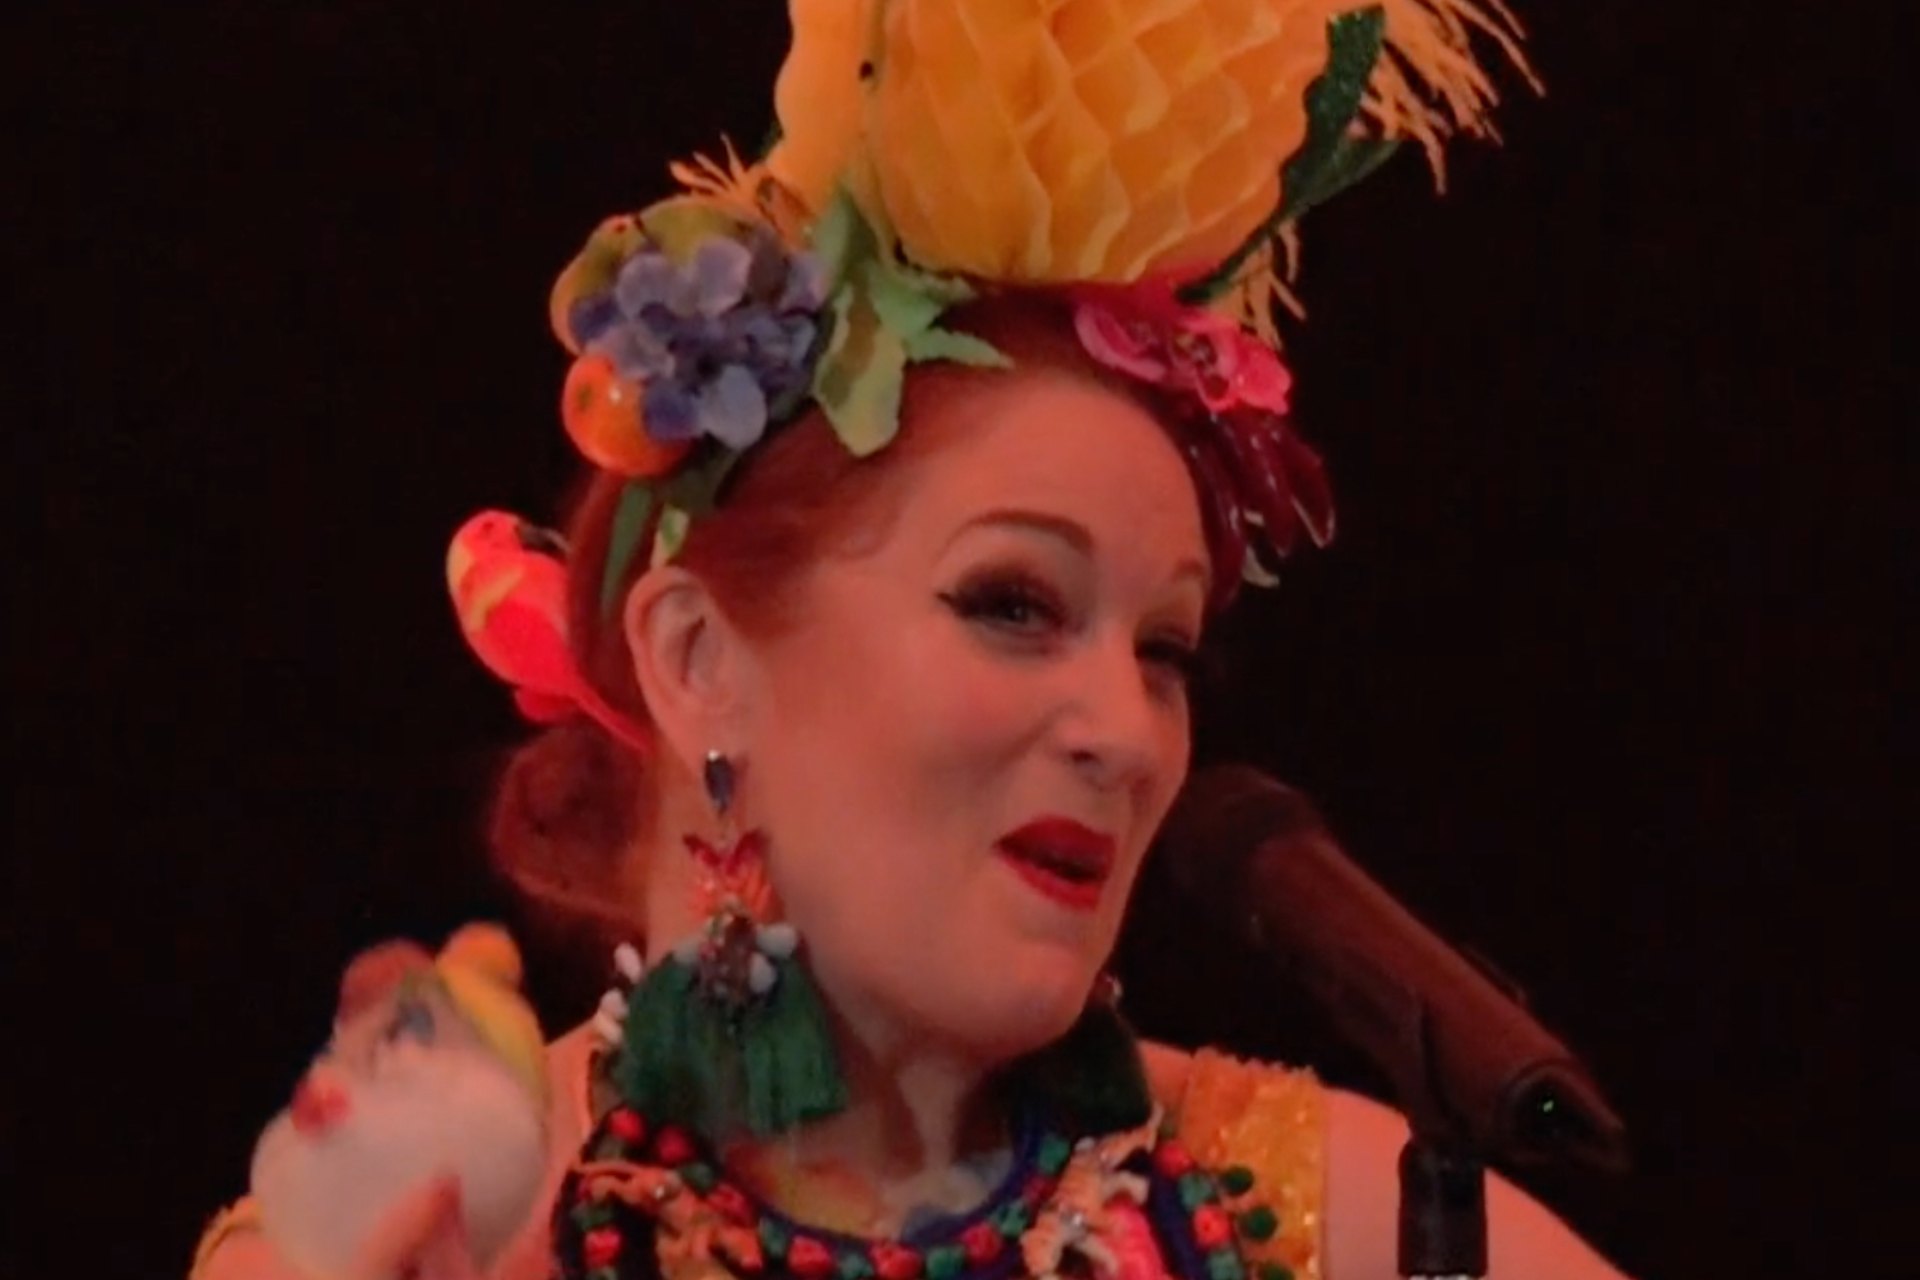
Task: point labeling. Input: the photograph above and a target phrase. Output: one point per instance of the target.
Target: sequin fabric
(1273, 1120)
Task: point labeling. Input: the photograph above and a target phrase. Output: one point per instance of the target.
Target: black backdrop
(1589, 680)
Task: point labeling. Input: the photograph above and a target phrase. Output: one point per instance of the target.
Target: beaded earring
(728, 1033)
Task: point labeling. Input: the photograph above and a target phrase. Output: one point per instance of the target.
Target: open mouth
(1064, 860)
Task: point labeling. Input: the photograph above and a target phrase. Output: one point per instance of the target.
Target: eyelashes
(1020, 606)
(1012, 601)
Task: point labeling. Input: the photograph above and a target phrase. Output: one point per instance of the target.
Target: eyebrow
(1071, 532)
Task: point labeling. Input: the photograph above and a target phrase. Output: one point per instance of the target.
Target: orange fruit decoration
(1047, 141)
(603, 415)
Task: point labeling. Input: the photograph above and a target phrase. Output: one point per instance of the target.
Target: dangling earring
(728, 1032)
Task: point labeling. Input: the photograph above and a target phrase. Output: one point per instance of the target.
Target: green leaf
(629, 526)
(694, 487)
(1354, 41)
(1353, 160)
(947, 289)
(901, 306)
(858, 381)
(960, 348)
(670, 536)
(842, 238)
(1329, 160)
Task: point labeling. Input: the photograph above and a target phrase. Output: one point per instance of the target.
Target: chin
(321, 1194)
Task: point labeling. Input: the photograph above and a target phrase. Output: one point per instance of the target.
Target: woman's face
(964, 746)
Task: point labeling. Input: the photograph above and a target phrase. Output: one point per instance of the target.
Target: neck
(915, 1139)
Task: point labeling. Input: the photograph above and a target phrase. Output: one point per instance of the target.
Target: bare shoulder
(1364, 1140)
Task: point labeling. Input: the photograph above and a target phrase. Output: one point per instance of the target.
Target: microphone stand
(1545, 1116)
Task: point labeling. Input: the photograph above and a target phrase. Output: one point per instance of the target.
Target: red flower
(895, 1262)
(982, 1243)
(1186, 349)
(627, 1126)
(1172, 1159)
(602, 1246)
(809, 1258)
(729, 1202)
(1212, 1227)
(673, 1147)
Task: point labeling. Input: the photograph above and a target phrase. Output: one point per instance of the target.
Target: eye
(1014, 602)
(1174, 657)
(412, 1020)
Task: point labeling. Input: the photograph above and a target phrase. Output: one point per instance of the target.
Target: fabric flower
(1187, 350)
(716, 340)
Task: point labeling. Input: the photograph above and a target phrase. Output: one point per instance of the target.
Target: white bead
(777, 940)
(627, 963)
(760, 975)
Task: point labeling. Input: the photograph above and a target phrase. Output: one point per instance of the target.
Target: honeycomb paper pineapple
(1045, 141)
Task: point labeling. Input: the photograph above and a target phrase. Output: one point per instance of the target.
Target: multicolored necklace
(650, 1202)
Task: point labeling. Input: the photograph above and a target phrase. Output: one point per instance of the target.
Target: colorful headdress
(1144, 161)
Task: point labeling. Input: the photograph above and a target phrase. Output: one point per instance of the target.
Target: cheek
(889, 760)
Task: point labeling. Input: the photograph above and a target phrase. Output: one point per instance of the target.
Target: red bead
(1172, 1159)
(602, 1247)
(1037, 1191)
(672, 1147)
(808, 1258)
(895, 1262)
(731, 1203)
(627, 1126)
(1211, 1226)
(982, 1243)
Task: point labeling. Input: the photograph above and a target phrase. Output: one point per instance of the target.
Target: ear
(692, 666)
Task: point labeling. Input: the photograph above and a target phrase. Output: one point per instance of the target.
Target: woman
(917, 485)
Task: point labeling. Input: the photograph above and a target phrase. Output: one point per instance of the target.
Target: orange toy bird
(508, 579)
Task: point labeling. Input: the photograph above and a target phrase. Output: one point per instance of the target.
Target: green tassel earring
(728, 1033)
(1093, 1077)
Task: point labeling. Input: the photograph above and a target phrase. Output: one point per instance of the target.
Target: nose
(319, 1101)
(1116, 732)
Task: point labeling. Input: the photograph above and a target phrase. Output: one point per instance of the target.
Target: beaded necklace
(649, 1202)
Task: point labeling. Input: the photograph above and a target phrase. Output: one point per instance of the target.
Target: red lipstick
(1065, 860)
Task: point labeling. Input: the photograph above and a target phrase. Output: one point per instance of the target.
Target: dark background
(1593, 678)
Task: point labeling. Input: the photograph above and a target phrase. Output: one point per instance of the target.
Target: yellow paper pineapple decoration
(1050, 141)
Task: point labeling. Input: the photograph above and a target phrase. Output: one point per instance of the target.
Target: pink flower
(1185, 349)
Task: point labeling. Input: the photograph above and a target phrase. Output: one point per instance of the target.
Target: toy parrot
(437, 1067)
(508, 579)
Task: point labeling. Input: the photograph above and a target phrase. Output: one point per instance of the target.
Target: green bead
(1196, 1189)
(699, 1176)
(945, 1261)
(594, 1213)
(1012, 1220)
(1236, 1180)
(774, 1238)
(1225, 1264)
(603, 1273)
(1054, 1151)
(1275, 1271)
(854, 1266)
(1258, 1223)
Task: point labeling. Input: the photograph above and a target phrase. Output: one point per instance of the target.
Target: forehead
(1053, 444)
